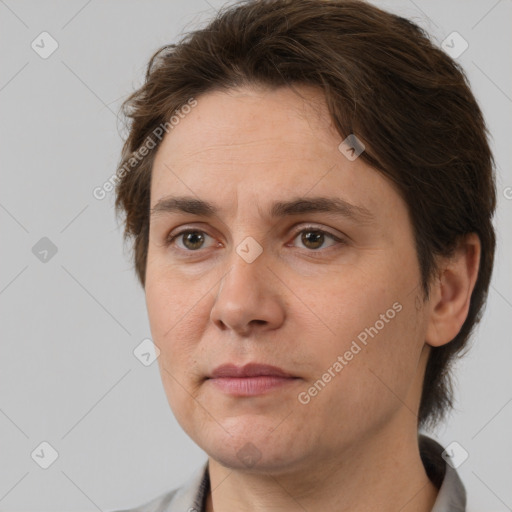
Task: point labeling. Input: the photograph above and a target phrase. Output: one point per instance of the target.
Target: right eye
(192, 239)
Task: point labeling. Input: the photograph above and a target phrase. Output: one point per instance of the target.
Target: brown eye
(314, 239)
(191, 240)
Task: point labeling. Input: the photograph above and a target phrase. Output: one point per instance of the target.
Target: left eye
(314, 238)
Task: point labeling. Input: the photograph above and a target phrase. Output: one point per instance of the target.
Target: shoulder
(189, 497)
(158, 504)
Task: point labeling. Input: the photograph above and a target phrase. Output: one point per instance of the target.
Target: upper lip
(248, 370)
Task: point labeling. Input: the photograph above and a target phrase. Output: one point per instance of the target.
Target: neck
(383, 473)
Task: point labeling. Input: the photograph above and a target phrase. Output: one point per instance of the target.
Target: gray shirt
(191, 497)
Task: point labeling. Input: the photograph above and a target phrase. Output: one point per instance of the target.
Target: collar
(452, 494)
(451, 497)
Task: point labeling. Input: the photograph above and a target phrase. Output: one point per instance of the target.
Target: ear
(451, 292)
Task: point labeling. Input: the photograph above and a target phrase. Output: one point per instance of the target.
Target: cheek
(163, 306)
(169, 299)
(179, 313)
(167, 314)
(371, 320)
(352, 300)
(374, 378)
(175, 324)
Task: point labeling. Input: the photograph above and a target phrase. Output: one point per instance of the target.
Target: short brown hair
(383, 80)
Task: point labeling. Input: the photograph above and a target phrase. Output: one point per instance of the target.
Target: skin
(297, 306)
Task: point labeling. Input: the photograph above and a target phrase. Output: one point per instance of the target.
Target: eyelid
(315, 227)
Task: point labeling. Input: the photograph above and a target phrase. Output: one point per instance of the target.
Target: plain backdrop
(72, 312)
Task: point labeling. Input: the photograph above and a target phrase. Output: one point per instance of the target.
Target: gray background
(68, 375)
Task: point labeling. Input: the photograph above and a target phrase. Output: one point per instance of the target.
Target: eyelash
(171, 238)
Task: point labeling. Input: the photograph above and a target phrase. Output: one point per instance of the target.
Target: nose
(249, 298)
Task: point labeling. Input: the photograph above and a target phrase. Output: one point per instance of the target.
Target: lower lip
(250, 386)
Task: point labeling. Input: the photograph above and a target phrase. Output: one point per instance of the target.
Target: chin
(251, 445)
(252, 460)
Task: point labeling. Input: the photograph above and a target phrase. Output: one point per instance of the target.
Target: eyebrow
(296, 206)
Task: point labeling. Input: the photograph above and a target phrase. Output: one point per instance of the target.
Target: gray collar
(452, 494)
(191, 497)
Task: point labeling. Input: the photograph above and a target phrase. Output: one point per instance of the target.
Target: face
(329, 296)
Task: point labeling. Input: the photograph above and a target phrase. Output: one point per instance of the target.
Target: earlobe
(452, 290)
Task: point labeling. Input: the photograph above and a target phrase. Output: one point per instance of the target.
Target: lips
(248, 370)
(250, 380)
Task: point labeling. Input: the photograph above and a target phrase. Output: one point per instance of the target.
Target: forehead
(261, 145)
(258, 125)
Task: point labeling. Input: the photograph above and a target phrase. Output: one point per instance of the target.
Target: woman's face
(329, 297)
